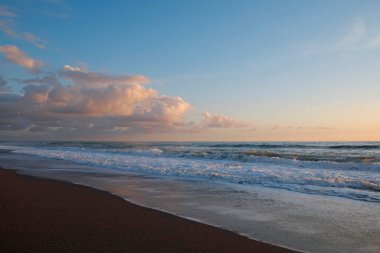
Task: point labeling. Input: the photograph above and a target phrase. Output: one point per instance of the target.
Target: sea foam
(345, 179)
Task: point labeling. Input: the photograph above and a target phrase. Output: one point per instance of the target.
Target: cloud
(113, 103)
(98, 104)
(6, 28)
(7, 24)
(300, 128)
(3, 85)
(84, 78)
(32, 38)
(360, 36)
(53, 8)
(6, 12)
(355, 35)
(70, 68)
(15, 55)
(221, 121)
(54, 2)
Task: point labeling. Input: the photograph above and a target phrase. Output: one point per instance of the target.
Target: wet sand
(40, 215)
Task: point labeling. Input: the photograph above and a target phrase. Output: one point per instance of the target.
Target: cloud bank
(97, 103)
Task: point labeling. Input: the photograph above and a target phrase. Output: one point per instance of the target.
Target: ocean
(310, 196)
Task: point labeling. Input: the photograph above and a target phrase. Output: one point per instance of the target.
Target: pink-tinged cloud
(6, 28)
(84, 78)
(16, 56)
(112, 103)
(221, 121)
(32, 38)
(98, 104)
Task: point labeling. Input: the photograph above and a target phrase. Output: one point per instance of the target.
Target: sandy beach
(39, 215)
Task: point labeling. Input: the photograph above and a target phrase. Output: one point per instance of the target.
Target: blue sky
(288, 69)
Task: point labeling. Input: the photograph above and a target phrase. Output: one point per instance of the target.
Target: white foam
(359, 185)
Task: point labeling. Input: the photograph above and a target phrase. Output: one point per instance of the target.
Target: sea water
(311, 196)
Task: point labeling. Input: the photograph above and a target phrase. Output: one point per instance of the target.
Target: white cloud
(355, 35)
(360, 36)
(70, 68)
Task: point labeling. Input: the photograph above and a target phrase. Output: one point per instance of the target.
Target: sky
(273, 70)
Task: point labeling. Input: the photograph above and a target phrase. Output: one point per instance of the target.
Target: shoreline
(44, 215)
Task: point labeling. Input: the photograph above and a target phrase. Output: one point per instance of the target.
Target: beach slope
(39, 215)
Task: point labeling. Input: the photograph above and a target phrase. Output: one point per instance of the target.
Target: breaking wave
(313, 172)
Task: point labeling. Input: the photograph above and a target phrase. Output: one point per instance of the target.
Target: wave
(323, 178)
(355, 147)
(271, 156)
(261, 145)
(358, 161)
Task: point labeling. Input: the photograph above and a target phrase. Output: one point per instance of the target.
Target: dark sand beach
(39, 215)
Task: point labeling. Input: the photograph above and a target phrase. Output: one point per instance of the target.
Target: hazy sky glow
(190, 70)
